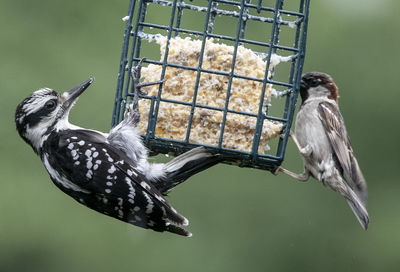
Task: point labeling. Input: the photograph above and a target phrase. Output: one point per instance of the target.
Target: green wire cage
(268, 28)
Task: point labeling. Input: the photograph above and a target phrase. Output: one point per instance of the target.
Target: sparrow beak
(69, 97)
(303, 85)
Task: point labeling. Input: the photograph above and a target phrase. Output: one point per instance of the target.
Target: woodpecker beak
(70, 96)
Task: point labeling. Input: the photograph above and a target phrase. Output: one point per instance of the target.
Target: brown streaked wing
(335, 129)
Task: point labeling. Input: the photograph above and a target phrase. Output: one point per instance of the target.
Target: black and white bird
(110, 172)
(323, 141)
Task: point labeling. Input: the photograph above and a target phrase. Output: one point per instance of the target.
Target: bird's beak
(303, 85)
(70, 96)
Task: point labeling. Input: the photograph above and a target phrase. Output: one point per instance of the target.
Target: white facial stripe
(35, 134)
(43, 91)
(37, 101)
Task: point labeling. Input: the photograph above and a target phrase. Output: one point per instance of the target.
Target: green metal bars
(286, 25)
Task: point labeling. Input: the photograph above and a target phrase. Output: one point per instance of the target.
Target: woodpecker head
(316, 84)
(45, 110)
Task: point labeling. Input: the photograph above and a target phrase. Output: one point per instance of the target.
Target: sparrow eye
(314, 82)
(50, 105)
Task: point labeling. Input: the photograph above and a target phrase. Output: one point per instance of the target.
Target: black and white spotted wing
(104, 179)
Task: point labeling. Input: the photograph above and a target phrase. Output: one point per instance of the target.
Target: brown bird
(323, 141)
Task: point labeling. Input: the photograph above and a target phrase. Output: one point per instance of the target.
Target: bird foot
(136, 87)
(306, 151)
(300, 177)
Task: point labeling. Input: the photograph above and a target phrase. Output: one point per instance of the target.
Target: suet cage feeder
(264, 26)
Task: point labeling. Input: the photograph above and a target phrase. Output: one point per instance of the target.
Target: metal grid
(215, 15)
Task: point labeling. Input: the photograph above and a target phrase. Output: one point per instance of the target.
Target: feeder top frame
(273, 14)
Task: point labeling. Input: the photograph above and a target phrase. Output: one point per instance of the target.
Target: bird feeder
(232, 73)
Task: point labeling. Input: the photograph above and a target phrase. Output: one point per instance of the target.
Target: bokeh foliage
(242, 219)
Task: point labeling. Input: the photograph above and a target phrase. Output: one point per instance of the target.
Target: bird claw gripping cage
(232, 71)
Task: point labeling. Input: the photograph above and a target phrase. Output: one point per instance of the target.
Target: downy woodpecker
(107, 172)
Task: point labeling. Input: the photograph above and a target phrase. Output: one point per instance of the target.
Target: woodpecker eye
(51, 104)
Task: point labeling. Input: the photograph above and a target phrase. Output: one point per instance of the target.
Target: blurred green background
(242, 219)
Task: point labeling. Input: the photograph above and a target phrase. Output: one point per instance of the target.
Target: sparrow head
(317, 84)
(41, 112)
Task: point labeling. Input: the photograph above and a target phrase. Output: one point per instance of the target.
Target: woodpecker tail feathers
(178, 230)
(186, 165)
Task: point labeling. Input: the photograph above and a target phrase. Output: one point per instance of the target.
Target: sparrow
(323, 141)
